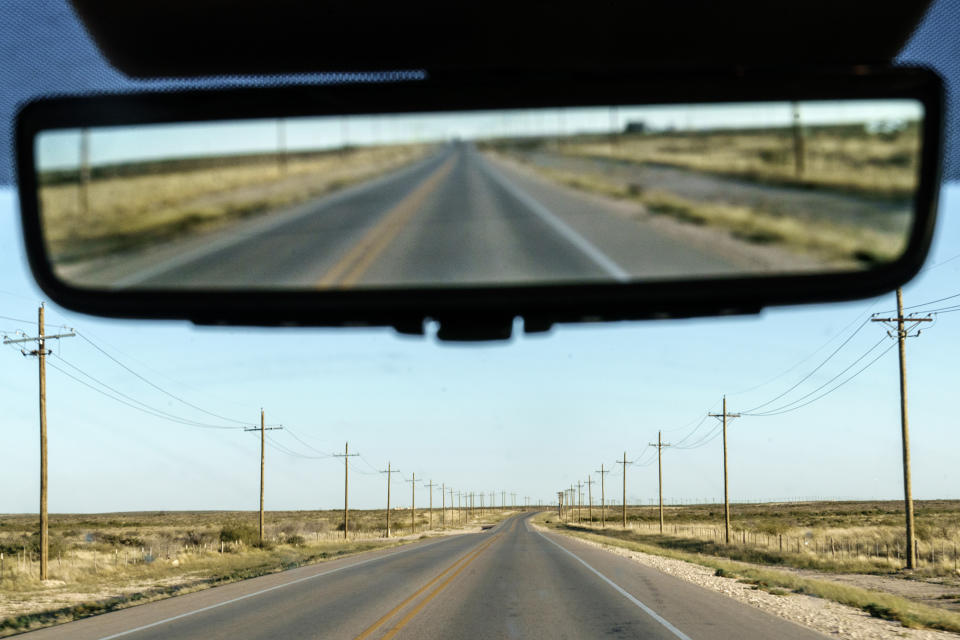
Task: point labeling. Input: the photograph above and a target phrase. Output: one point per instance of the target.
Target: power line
(130, 401)
(158, 387)
(809, 375)
(867, 366)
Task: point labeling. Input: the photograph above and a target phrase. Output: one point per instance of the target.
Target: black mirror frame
(487, 312)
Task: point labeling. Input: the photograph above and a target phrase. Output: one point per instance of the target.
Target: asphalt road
(507, 582)
(457, 217)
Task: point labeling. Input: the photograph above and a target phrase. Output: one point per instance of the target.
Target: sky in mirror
(60, 149)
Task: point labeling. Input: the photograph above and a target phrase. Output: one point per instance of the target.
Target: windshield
(656, 479)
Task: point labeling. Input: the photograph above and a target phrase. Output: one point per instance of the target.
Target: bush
(242, 533)
(296, 540)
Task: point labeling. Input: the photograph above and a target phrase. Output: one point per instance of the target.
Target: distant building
(636, 127)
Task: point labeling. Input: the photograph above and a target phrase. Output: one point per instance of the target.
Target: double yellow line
(351, 267)
(456, 567)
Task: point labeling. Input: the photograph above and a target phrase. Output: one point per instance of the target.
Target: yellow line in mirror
(351, 267)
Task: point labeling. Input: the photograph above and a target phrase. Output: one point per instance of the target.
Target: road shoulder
(833, 619)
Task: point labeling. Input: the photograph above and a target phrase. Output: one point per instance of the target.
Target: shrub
(242, 533)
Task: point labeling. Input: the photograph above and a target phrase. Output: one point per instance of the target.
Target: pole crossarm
(56, 336)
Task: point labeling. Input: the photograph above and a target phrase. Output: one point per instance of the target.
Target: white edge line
(558, 225)
(268, 589)
(650, 612)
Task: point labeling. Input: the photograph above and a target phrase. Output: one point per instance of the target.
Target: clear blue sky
(60, 148)
(531, 415)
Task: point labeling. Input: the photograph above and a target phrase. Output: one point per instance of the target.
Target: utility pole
(590, 499)
(85, 173)
(726, 493)
(263, 437)
(797, 140)
(346, 455)
(560, 505)
(503, 501)
(413, 502)
(579, 503)
(660, 445)
(899, 325)
(430, 485)
(443, 506)
(514, 497)
(388, 472)
(282, 146)
(603, 498)
(624, 507)
(41, 352)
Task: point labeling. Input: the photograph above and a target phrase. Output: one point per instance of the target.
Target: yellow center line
(465, 557)
(351, 267)
(413, 612)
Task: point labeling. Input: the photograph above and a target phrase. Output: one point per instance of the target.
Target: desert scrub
(131, 209)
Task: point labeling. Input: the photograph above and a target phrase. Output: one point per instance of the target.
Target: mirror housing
(485, 312)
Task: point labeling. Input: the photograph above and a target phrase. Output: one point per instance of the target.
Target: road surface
(507, 582)
(457, 217)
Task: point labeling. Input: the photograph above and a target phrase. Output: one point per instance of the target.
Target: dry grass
(908, 613)
(839, 537)
(842, 158)
(103, 562)
(829, 241)
(128, 211)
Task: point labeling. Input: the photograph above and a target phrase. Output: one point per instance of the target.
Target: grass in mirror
(104, 562)
(138, 204)
(843, 195)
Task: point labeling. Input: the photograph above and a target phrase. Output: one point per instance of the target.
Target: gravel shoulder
(830, 618)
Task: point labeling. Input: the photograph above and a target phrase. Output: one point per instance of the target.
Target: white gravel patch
(831, 618)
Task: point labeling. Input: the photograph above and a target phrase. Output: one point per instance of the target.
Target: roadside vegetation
(848, 158)
(134, 205)
(103, 562)
(831, 242)
(779, 548)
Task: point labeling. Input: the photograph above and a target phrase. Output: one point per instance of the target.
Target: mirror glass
(532, 196)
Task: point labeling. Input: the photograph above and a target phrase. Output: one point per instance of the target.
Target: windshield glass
(658, 479)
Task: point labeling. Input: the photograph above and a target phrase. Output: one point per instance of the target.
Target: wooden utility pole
(898, 326)
(603, 498)
(388, 472)
(346, 455)
(590, 499)
(503, 501)
(443, 506)
(41, 352)
(263, 437)
(85, 173)
(430, 485)
(413, 502)
(513, 496)
(579, 503)
(798, 151)
(624, 507)
(560, 505)
(660, 445)
(726, 493)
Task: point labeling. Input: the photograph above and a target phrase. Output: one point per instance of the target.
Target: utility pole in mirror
(262, 429)
(84, 173)
(660, 445)
(798, 150)
(41, 353)
(603, 498)
(388, 472)
(726, 493)
(346, 455)
(903, 327)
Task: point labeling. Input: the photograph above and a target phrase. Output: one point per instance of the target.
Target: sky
(530, 416)
(61, 148)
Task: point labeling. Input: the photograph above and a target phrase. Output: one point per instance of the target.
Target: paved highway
(508, 582)
(457, 217)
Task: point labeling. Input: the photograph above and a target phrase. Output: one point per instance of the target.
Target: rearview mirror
(475, 202)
